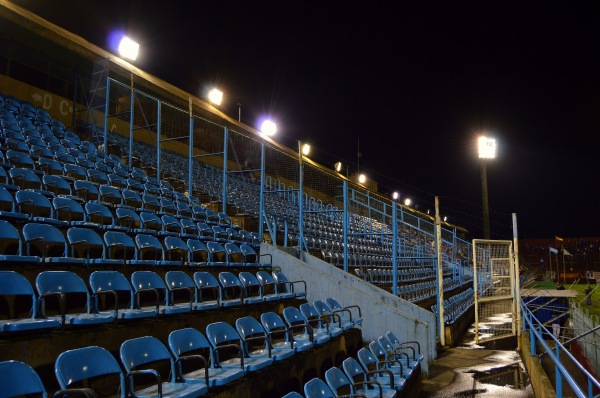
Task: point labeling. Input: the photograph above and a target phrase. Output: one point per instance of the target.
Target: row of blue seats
(383, 369)
(38, 242)
(196, 362)
(112, 297)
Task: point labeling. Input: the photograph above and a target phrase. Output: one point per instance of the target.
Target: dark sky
(409, 84)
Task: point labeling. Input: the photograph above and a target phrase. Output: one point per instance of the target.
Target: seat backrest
(217, 252)
(56, 184)
(179, 279)
(149, 247)
(293, 316)
(272, 321)
(68, 209)
(85, 243)
(109, 280)
(99, 214)
(86, 363)
(186, 340)
(140, 351)
(336, 380)
(151, 221)
(354, 370)
(128, 218)
(198, 251)
(13, 283)
(60, 281)
(147, 280)
(44, 240)
(249, 326)
(10, 239)
(19, 379)
(33, 203)
(205, 279)
(119, 245)
(317, 388)
(111, 195)
(228, 279)
(86, 190)
(221, 332)
(175, 249)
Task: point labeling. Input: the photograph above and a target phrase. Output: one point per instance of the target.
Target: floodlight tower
(487, 151)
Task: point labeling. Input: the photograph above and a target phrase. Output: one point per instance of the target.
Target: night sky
(409, 85)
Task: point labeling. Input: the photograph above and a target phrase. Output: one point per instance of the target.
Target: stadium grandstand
(154, 246)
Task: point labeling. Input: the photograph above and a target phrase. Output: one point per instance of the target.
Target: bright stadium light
(215, 96)
(362, 178)
(305, 149)
(395, 195)
(338, 166)
(128, 48)
(407, 202)
(487, 151)
(268, 128)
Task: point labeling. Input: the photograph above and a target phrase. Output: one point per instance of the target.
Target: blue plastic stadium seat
(282, 334)
(48, 243)
(317, 388)
(269, 287)
(15, 284)
(232, 290)
(85, 243)
(221, 336)
(338, 380)
(19, 379)
(189, 342)
(218, 254)
(67, 285)
(293, 317)
(413, 346)
(256, 342)
(209, 292)
(198, 253)
(11, 246)
(285, 285)
(252, 288)
(72, 367)
(354, 314)
(356, 371)
(147, 351)
(318, 322)
(123, 295)
(150, 281)
(334, 316)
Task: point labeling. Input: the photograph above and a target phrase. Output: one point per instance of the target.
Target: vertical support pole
(346, 213)
(261, 210)
(106, 105)
(131, 110)
(224, 192)
(395, 248)
(158, 131)
(440, 271)
(517, 292)
(484, 201)
(191, 150)
(300, 198)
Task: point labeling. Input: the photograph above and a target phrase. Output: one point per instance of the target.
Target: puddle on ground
(512, 376)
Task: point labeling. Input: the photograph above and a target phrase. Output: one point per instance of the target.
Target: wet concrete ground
(470, 370)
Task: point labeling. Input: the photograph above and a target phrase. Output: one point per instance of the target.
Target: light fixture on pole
(338, 166)
(268, 128)
(215, 96)
(487, 150)
(128, 48)
(395, 195)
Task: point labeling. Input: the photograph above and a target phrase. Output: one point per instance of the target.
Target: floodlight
(338, 166)
(407, 202)
(215, 96)
(362, 178)
(268, 128)
(395, 195)
(128, 48)
(487, 147)
(305, 149)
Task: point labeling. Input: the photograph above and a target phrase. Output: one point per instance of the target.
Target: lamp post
(487, 150)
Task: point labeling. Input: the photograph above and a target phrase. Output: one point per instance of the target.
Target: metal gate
(494, 286)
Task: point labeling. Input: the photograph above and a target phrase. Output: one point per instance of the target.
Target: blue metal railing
(537, 331)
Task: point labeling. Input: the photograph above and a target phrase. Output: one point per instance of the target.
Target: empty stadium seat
(398, 367)
(16, 285)
(121, 246)
(85, 243)
(318, 322)
(142, 352)
(86, 364)
(222, 336)
(69, 287)
(257, 341)
(19, 379)
(338, 380)
(48, 243)
(252, 288)
(293, 317)
(269, 287)
(38, 207)
(297, 287)
(209, 292)
(373, 371)
(354, 313)
(125, 300)
(334, 315)
(218, 254)
(232, 290)
(12, 246)
(235, 256)
(413, 346)
(318, 388)
(198, 253)
(186, 344)
(150, 281)
(282, 334)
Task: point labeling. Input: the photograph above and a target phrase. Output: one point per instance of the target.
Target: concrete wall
(381, 311)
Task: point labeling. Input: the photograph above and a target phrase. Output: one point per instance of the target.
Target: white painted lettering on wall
(64, 107)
